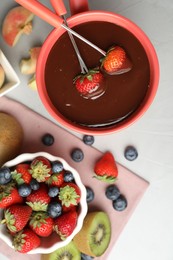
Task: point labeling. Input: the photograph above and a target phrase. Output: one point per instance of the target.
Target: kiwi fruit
(94, 237)
(69, 252)
(11, 137)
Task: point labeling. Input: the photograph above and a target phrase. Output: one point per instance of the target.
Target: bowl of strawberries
(42, 203)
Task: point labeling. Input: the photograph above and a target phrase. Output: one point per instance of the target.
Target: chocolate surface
(124, 93)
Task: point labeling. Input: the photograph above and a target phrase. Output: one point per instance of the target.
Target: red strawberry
(39, 199)
(69, 194)
(106, 169)
(65, 224)
(40, 169)
(9, 195)
(116, 61)
(90, 85)
(56, 179)
(41, 224)
(26, 240)
(16, 217)
(21, 173)
(66, 209)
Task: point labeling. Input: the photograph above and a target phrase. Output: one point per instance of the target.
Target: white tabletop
(149, 233)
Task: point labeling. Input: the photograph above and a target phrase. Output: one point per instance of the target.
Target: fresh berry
(9, 195)
(88, 139)
(53, 191)
(106, 169)
(24, 190)
(41, 224)
(130, 153)
(35, 185)
(48, 139)
(16, 217)
(120, 203)
(68, 176)
(90, 85)
(38, 200)
(54, 209)
(69, 194)
(116, 61)
(21, 173)
(71, 207)
(5, 175)
(112, 192)
(86, 257)
(77, 155)
(90, 194)
(40, 169)
(65, 224)
(56, 179)
(57, 167)
(26, 240)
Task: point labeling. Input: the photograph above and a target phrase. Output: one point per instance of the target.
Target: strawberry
(69, 194)
(56, 179)
(90, 85)
(9, 195)
(65, 224)
(16, 217)
(26, 240)
(40, 169)
(106, 169)
(41, 224)
(116, 61)
(21, 173)
(39, 199)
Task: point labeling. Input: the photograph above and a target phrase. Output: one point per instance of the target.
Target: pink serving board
(131, 185)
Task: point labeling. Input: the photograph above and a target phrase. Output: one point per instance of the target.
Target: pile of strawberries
(38, 200)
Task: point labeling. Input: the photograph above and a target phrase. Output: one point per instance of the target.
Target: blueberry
(53, 191)
(88, 139)
(119, 204)
(130, 153)
(35, 185)
(24, 190)
(90, 194)
(68, 176)
(5, 175)
(77, 155)
(86, 257)
(47, 139)
(57, 166)
(112, 192)
(54, 209)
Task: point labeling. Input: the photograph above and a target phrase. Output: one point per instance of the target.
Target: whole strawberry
(39, 199)
(16, 217)
(21, 173)
(40, 169)
(65, 224)
(56, 179)
(106, 169)
(41, 224)
(9, 195)
(69, 194)
(90, 85)
(116, 61)
(26, 240)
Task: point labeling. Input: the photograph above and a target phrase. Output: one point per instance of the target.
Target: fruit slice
(67, 252)
(28, 65)
(2, 76)
(17, 21)
(94, 237)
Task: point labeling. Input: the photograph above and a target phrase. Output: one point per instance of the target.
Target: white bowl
(53, 242)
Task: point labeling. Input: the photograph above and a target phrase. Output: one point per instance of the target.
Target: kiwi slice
(94, 237)
(69, 252)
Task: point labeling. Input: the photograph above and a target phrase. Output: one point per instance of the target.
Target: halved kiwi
(94, 237)
(69, 252)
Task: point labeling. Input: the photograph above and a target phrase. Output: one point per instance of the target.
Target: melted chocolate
(124, 93)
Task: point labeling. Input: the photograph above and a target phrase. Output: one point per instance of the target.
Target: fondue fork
(60, 9)
(47, 15)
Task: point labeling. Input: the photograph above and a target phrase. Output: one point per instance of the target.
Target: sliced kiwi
(69, 252)
(94, 237)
